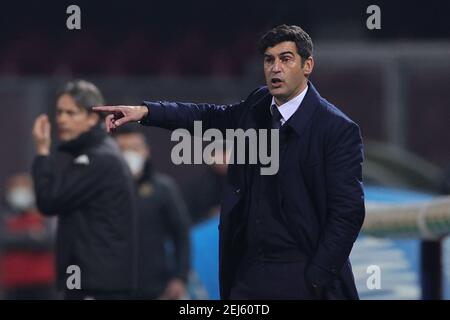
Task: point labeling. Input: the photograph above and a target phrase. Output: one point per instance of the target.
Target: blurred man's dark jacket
(162, 221)
(90, 188)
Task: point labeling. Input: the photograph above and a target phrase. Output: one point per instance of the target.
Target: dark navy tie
(276, 117)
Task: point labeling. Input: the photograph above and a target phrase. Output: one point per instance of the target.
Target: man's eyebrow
(286, 52)
(266, 55)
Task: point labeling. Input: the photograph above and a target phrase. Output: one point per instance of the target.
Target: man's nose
(60, 119)
(276, 66)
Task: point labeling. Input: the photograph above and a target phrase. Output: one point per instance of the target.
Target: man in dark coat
(163, 222)
(287, 235)
(88, 185)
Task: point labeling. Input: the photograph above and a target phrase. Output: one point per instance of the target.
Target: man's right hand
(120, 115)
(41, 135)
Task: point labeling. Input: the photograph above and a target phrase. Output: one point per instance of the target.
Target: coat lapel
(303, 115)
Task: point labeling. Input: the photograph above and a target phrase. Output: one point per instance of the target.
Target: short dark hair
(131, 128)
(85, 93)
(283, 33)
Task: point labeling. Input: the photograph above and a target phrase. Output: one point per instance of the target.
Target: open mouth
(276, 82)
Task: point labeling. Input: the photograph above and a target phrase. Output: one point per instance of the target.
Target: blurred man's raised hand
(119, 115)
(41, 135)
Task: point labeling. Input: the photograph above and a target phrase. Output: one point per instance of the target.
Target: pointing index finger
(106, 108)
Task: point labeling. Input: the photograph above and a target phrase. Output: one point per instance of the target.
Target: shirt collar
(288, 109)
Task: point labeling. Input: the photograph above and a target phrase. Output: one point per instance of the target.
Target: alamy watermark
(374, 280)
(374, 20)
(251, 146)
(73, 21)
(74, 279)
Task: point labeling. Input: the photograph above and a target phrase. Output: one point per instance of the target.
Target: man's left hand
(317, 279)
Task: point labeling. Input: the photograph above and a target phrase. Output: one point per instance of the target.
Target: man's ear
(308, 66)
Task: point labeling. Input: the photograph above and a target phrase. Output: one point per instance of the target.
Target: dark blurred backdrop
(394, 81)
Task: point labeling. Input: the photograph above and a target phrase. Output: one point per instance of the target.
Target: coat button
(237, 191)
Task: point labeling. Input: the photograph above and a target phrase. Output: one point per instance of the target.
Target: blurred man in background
(162, 219)
(88, 185)
(203, 194)
(26, 244)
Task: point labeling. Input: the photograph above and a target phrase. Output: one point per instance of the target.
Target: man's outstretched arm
(173, 115)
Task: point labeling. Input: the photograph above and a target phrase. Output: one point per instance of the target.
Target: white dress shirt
(288, 109)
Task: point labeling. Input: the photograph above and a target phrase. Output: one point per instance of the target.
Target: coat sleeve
(63, 191)
(345, 197)
(174, 115)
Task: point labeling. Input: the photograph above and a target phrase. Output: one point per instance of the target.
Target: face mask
(135, 161)
(20, 198)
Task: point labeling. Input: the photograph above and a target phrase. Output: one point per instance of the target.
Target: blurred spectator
(90, 187)
(203, 194)
(162, 217)
(26, 243)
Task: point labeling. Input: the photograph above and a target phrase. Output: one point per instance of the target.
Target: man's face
(133, 142)
(71, 120)
(284, 73)
(135, 151)
(19, 192)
